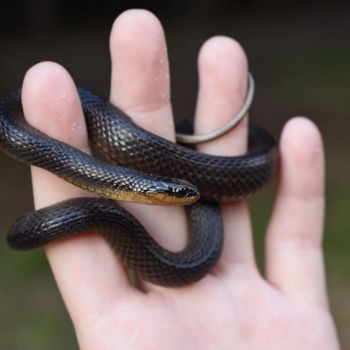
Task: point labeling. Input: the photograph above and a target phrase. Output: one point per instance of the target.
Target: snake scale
(146, 169)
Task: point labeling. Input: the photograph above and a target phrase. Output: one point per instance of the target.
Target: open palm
(234, 307)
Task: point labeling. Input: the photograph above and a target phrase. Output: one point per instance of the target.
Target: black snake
(150, 170)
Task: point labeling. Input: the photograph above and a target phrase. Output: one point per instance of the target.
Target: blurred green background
(299, 54)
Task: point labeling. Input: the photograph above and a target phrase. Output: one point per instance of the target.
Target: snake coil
(146, 169)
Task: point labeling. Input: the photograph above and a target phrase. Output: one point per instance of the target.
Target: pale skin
(235, 306)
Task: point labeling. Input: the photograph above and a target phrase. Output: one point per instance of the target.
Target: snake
(138, 166)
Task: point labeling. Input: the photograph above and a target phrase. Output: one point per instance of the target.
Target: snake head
(173, 192)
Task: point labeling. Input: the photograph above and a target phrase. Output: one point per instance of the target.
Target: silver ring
(211, 135)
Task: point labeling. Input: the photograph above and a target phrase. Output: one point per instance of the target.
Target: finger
(294, 260)
(140, 86)
(222, 89)
(85, 269)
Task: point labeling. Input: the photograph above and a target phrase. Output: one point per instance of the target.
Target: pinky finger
(86, 270)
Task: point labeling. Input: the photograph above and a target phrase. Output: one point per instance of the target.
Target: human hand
(234, 307)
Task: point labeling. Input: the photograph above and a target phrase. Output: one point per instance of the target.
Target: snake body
(147, 169)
